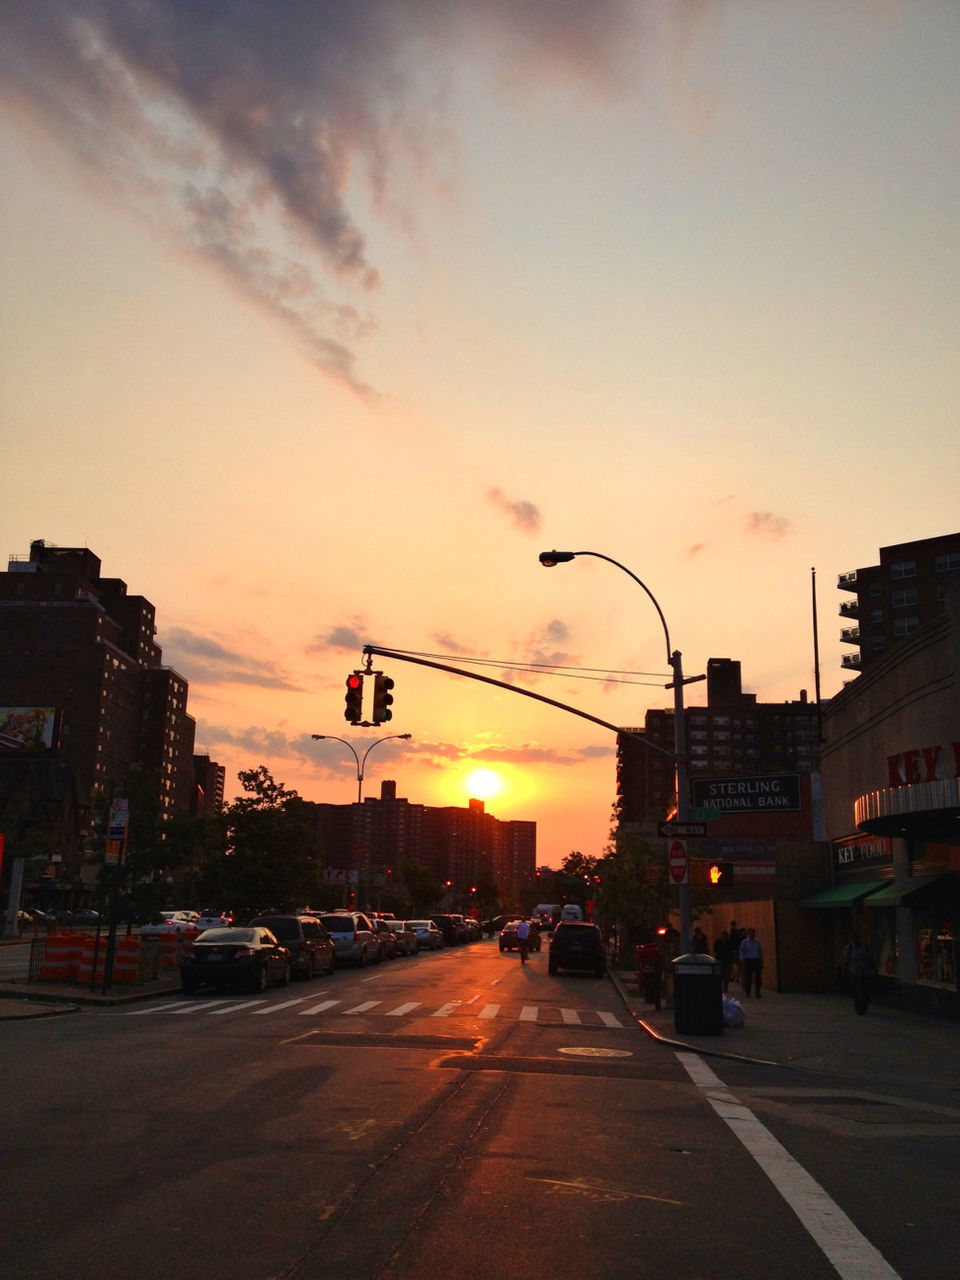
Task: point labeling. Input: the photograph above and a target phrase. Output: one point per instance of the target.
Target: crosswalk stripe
(197, 1008)
(445, 1010)
(529, 1013)
(490, 1011)
(319, 1008)
(362, 1008)
(569, 1015)
(237, 1008)
(401, 1009)
(284, 1004)
(609, 1019)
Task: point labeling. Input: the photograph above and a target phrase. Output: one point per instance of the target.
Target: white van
(571, 912)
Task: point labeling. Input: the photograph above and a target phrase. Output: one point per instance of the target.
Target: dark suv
(310, 946)
(577, 945)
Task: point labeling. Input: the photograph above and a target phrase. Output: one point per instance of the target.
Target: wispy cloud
(449, 645)
(766, 524)
(241, 129)
(205, 661)
(524, 514)
(343, 637)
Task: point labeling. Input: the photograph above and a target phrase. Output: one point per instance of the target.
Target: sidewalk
(817, 1033)
(23, 999)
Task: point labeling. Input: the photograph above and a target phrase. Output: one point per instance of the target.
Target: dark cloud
(543, 649)
(524, 514)
(205, 661)
(239, 127)
(765, 524)
(339, 638)
(447, 643)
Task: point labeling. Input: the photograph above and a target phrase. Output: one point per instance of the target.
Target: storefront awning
(896, 893)
(840, 895)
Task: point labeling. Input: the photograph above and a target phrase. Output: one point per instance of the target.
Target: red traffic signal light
(382, 699)
(353, 708)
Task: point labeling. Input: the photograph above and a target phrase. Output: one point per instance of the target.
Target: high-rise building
(79, 647)
(732, 734)
(896, 597)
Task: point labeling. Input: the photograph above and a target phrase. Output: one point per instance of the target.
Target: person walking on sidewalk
(858, 969)
(723, 953)
(523, 939)
(751, 963)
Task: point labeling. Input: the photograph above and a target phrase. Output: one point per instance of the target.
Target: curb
(706, 1050)
(53, 1012)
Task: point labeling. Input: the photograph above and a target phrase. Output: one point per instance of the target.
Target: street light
(361, 760)
(549, 559)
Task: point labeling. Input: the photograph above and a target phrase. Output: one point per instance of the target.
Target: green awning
(894, 893)
(840, 895)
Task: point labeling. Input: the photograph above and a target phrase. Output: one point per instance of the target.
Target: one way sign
(681, 830)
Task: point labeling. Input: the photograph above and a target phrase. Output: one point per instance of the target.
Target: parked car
(408, 942)
(577, 945)
(235, 957)
(509, 941)
(474, 930)
(452, 928)
(171, 922)
(84, 916)
(388, 939)
(428, 935)
(353, 937)
(311, 947)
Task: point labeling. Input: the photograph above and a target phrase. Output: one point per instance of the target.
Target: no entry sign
(679, 865)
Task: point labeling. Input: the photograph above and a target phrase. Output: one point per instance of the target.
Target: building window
(876, 644)
(903, 569)
(876, 615)
(904, 626)
(904, 599)
(875, 588)
(948, 563)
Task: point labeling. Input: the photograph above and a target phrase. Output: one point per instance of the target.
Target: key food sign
(759, 793)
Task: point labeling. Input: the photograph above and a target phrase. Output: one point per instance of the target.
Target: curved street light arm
(550, 558)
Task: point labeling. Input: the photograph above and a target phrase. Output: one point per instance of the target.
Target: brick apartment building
(454, 844)
(79, 648)
(894, 598)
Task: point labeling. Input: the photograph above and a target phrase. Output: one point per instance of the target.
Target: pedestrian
(523, 939)
(723, 952)
(751, 963)
(736, 937)
(700, 944)
(858, 969)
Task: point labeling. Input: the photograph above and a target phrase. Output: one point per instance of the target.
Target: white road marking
(236, 1008)
(569, 1015)
(195, 1008)
(445, 1010)
(489, 1011)
(529, 1013)
(403, 1008)
(319, 1008)
(284, 1004)
(849, 1252)
(609, 1019)
(362, 1008)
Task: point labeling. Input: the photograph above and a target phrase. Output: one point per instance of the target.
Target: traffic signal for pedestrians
(382, 698)
(721, 874)
(353, 710)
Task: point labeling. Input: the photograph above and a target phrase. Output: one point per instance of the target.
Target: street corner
(16, 1008)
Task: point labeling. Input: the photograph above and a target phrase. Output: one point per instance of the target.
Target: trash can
(698, 995)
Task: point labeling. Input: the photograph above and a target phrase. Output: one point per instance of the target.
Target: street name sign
(694, 830)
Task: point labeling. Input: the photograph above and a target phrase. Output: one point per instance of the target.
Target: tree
(633, 889)
(272, 854)
(424, 888)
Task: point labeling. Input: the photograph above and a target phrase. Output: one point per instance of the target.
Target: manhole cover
(585, 1051)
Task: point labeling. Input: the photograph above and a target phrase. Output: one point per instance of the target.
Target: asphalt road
(453, 1114)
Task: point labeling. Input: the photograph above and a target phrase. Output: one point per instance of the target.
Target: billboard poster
(28, 728)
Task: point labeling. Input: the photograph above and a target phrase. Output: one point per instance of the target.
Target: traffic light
(382, 698)
(353, 710)
(721, 874)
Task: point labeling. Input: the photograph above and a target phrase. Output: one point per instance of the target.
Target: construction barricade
(58, 956)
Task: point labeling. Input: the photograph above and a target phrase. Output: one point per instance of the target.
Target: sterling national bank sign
(761, 793)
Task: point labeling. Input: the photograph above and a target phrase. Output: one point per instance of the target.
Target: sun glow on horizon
(483, 784)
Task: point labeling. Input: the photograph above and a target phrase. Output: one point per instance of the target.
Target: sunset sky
(319, 321)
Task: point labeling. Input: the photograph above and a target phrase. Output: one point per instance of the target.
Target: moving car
(428, 935)
(353, 937)
(510, 942)
(172, 922)
(214, 920)
(577, 944)
(311, 947)
(236, 957)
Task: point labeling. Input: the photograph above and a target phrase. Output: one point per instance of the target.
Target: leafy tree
(633, 891)
(424, 888)
(272, 854)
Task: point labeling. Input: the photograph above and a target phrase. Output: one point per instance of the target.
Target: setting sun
(481, 784)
